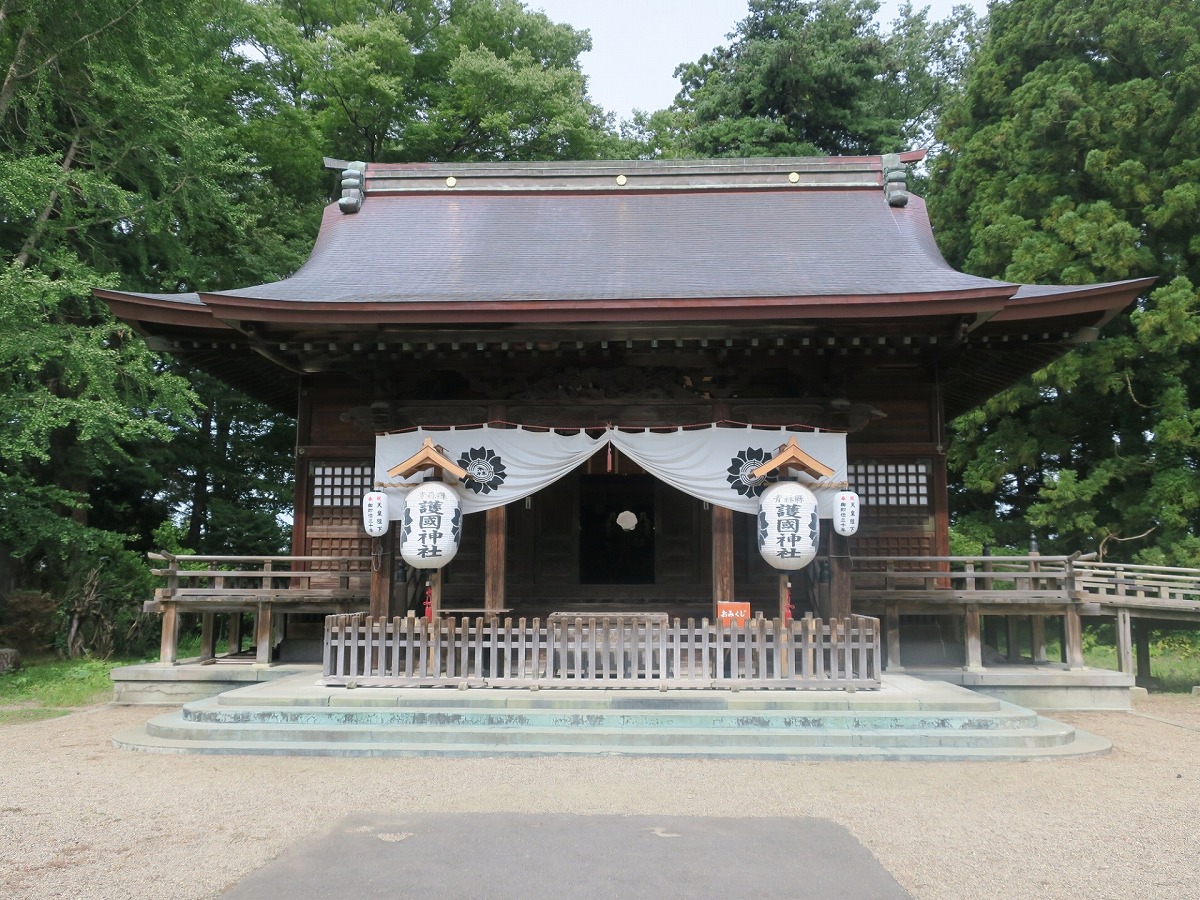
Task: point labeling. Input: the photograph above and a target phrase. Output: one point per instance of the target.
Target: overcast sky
(638, 43)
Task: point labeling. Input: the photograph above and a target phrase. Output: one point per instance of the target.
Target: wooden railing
(252, 584)
(624, 652)
(1148, 587)
(967, 579)
(1032, 586)
(971, 586)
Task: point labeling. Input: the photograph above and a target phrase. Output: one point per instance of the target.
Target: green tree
(434, 80)
(1073, 157)
(120, 164)
(814, 77)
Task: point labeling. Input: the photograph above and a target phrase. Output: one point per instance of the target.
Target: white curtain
(510, 463)
(715, 463)
(711, 463)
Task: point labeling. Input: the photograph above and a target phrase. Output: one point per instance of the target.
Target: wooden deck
(258, 585)
(1036, 588)
(978, 593)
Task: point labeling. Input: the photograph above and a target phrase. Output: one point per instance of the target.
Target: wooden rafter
(791, 456)
(429, 456)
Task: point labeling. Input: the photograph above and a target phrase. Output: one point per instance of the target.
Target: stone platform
(1047, 686)
(155, 684)
(908, 719)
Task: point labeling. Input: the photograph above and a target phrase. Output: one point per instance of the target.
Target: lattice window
(341, 484)
(890, 483)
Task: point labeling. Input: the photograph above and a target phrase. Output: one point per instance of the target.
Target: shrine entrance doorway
(616, 529)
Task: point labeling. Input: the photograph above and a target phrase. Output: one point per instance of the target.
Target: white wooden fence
(618, 651)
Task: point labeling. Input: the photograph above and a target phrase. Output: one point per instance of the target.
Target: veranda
(982, 598)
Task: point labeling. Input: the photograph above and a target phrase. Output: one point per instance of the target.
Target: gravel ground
(80, 819)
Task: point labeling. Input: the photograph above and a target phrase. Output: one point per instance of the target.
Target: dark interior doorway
(616, 529)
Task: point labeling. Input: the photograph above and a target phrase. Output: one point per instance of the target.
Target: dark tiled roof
(632, 246)
(753, 238)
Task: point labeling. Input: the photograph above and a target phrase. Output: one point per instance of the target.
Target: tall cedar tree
(814, 77)
(1074, 156)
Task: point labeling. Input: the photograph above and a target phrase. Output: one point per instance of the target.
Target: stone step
(604, 733)
(913, 695)
(138, 739)
(905, 719)
(662, 715)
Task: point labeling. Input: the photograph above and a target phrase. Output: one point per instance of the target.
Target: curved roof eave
(1042, 301)
(388, 312)
(184, 310)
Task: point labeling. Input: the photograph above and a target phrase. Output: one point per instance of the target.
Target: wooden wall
(896, 465)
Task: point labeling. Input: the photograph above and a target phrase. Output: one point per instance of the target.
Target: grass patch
(42, 689)
(1174, 656)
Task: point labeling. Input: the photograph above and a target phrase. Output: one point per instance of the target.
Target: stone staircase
(907, 720)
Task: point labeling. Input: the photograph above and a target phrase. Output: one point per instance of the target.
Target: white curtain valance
(711, 463)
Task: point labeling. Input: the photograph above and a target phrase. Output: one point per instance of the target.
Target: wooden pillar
(1124, 642)
(722, 555)
(382, 559)
(1037, 639)
(972, 639)
(495, 551)
(990, 632)
(1141, 639)
(435, 593)
(1073, 638)
(839, 576)
(208, 635)
(785, 599)
(262, 635)
(1013, 636)
(168, 648)
(891, 620)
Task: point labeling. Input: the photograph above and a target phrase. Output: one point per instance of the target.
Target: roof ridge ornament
(354, 187)
(895, 180)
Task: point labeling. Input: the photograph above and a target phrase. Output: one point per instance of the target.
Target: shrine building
(620, 358)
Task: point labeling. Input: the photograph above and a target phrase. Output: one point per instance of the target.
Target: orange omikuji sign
(733, 613)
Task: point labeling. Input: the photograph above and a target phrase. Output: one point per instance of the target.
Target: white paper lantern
(375, 513)
(431, 527)
(845, 513)
(788, 528)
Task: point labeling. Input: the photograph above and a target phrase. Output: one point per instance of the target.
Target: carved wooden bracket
(427, 457)
(791, 456)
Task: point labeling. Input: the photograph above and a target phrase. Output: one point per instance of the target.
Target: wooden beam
(435, 593)
(1013, 638)
(791, 456)
(1141, 640)
(840, 576)
(262, 635)
(382, 559)
(722, 556)
(1037, 639)
(208, 635)
(891, 627)
(1124, 642)
(168, 648)
(1073, 638)
(972, 639)
(495, 552)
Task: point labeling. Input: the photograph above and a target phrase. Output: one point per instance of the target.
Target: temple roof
(801, 243)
